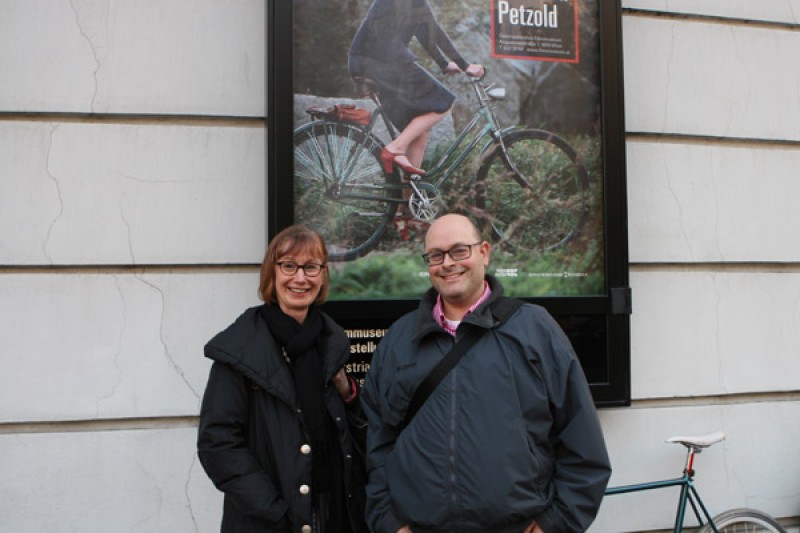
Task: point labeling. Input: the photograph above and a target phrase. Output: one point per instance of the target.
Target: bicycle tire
(340, 189)
(541, 205)
(744, 521)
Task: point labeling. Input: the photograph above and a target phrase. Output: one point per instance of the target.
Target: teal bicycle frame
(688, 492)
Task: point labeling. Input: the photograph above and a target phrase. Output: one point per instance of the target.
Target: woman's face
(297, 292)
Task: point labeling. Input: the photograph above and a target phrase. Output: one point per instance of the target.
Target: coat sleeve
(381, 439)
(582, 468)
(437, 43)
(357, 421)
(223, 450)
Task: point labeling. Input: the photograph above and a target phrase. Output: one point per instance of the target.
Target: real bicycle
(530, 191)
(732, 521)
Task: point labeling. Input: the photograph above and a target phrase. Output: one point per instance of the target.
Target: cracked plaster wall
(700, 202)
(136, 481)
(702, 333)
(164, 193)
(113, 345)
(90, 346)
(121, 56)
(702, 78)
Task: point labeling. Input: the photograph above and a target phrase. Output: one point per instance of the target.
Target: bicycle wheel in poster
(744, 521)
(340, 189)
(537, 198)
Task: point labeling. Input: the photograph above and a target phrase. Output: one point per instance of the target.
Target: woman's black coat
(252, 441)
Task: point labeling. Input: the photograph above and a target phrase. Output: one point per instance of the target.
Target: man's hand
(533, 528)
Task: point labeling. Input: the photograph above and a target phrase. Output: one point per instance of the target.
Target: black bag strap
(501, 309)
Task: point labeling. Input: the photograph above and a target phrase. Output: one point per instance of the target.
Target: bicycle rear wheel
(535, 200)
(744, 521)
(340, 189)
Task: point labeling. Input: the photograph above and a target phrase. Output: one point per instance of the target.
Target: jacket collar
(248, 346)
(481, 316)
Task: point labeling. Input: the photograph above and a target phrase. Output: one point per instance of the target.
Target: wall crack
(95, 55)
(167, 353)
(52, 176)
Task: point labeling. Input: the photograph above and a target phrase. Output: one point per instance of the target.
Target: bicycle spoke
(340, 188)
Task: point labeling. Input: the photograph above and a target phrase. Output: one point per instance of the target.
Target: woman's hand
(452, 68)
(342, 384)
(475, 70)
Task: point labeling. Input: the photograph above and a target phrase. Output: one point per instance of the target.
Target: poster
(540, 206)
(534, 153)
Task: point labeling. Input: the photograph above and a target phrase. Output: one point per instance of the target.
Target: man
(509, 440)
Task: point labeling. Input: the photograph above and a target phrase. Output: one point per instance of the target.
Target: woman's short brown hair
(294, 240)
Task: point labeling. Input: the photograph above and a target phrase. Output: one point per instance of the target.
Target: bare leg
(414, 138)
(416, 150)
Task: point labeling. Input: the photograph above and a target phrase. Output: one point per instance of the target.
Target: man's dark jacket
(510, 435)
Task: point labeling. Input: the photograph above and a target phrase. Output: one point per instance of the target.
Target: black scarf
(299, 343)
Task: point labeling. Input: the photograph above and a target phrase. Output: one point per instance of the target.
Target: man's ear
(485, 248)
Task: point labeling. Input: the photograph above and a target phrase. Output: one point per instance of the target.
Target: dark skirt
(406, 89)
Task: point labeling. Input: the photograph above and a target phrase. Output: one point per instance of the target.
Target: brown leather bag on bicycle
(342, 113)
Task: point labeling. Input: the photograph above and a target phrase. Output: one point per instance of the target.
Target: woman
(414, 100)
(280, 425)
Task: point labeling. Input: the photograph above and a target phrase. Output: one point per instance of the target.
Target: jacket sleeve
(436, 42)
(357, 420)
(380, 442)
(223, 451)
(582, 468)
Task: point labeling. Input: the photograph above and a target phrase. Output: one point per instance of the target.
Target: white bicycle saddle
(700, 441)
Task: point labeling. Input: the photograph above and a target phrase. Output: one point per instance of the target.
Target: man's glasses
(290, 268)
(459, 252)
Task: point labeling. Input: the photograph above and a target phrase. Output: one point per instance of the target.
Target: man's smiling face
(459, 282)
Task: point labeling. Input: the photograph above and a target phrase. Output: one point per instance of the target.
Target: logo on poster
(546, 17)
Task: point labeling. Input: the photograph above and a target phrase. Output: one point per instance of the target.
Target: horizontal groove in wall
(136, 119)
(754, 267)
(89, 426)
(178, 422)
(711, 19)
(726, 399)
(128, 269)
(676, 138)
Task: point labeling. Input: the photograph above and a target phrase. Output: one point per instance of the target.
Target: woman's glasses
(290, 268)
